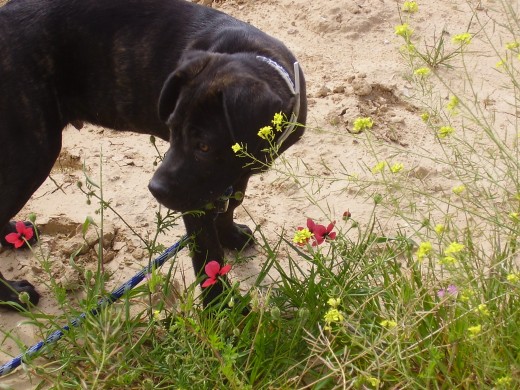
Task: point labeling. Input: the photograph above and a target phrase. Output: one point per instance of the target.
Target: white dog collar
(295, 90)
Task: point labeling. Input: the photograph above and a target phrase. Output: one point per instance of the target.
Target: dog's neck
(295, 90)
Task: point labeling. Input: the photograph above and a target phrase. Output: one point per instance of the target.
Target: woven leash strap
(111, 298)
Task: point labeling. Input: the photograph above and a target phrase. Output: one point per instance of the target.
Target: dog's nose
(158, 189)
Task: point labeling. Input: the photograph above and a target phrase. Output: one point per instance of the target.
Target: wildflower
(445, 131)
(23, 233)
(410, 6)
(504, 381)
(457, 190)
(302, 236)
(397, 167)
(236, 147)
(266, 133)
(513, 278)
(500, 64)
(454, 247)
(450, 290)
(409, 47)
(156, 315)
(277, 121)
(346, 215)
(424, 250)
(320, 232)
(483, 309)
(453, 104)
(515, 217)
(389, 324)
(334, 302)
(422, 72)
(404, 30)
(512, 45)
(474, 330)
(439, 228)
(466, 295)
(374, 382)
(214, 270)
(447, 260)
(425, 116)
(333, 315)
(361, 124)
(379, 167)
(462, 39)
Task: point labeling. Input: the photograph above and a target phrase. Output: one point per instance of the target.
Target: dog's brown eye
(203, 147)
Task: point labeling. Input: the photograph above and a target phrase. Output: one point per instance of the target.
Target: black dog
(170, 68)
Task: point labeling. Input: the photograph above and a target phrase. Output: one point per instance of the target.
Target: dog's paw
(10, 291)
(237, 238)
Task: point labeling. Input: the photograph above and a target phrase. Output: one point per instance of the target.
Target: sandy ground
(349, 53)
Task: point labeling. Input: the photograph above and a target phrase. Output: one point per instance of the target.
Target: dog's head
(210, 103)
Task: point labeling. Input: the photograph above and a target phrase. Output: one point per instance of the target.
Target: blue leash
(111, 298)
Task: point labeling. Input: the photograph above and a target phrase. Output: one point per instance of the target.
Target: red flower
(23, 233)
(213, 270)
(320, 232)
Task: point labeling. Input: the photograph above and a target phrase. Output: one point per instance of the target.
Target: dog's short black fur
(182, 72)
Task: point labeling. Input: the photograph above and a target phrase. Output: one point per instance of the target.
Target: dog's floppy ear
(190, 66)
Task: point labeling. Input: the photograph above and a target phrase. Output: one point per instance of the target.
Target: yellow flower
(361, 124)
(462, 39)
(156, 315)
(454, 247)
(466, 295)
(333, 315)
(439, 228)
(457, 190)
(424, 250)
(302, 236)
(483, 309)
(266, 133)
(425, 116)
(397, 167)
(389, 324)
(513, 278)
(515, 217)
(474, 330)
(277, 121)
(453, 104)
(236, 147)
(410, 6)
(379, 167)
(447, 260)
(404, 30)
(374, 382)
(512, 45)
(500, 64)
(334, 302)
(445, 131)
(504, 381)
(422, 72)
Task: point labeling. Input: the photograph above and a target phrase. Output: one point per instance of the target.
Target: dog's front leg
(205, 247)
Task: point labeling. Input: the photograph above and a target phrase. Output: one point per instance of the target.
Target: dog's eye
(203, 147)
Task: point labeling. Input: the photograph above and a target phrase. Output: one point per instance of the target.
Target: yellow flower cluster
(422, 72)
(445, 131)
(410, 6)
(454, 247)
(389, 324)
(236, 147)
(302, 236)
(424, 250)
(462, 39)
(513, 278)
(474, 330)
(404, 30)
(457, 190)
(361, 124)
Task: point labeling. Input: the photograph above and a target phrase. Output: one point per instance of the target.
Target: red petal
(28, 233)
(19, 243)
(332, 235)
(12, 238)
(209, 282)
(310, 225)
(224, 270)
(20, 227)
(331, 226)
(319, 231)
(212, 269)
